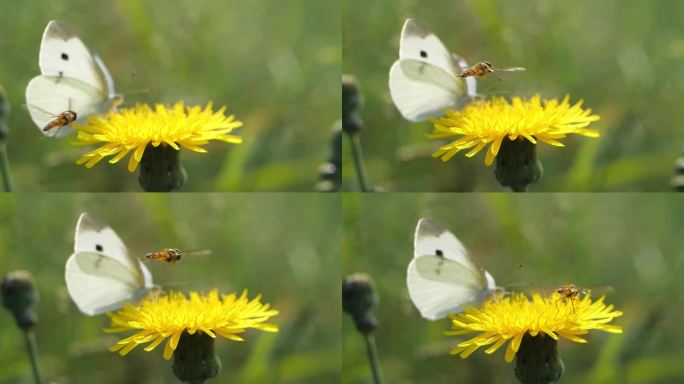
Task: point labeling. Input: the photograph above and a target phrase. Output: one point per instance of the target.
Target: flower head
(489, 122)
(133, 129)
(510, 318)
(168, 316)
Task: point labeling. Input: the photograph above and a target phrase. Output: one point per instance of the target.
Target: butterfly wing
(470, 82)
(439, 286)
(72, 78)
(48, 96)
(108, 79)
(419, 43)
(63, 54)
(93, 235)
(420, 90)
(441, 278)
(99, 283)
(424, 81)
(431, 238)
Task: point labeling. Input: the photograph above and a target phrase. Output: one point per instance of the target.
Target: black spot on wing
(439, 254)
(65, 56)
(99, 248)
(423, 54)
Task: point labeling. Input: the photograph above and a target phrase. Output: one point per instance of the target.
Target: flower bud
(195, 360)
(161, 169)
(352, 102)
(4, 114)
(517, 165)
(20, 297)
(537, 360)
(358, 300)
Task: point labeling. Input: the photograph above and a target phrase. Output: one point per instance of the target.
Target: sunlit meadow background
(627, 242)
(624, 58)
(274, 64)
(283, 247)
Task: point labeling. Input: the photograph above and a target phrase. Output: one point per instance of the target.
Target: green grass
(273, 69)
(276, 245)
(624, 59)
(625, 241)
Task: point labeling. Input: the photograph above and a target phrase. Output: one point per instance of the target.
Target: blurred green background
(274, 64)
(277, 245)
(625, 241)
(624, 58)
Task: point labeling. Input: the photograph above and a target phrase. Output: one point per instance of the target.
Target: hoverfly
(572, 292)
(173, 255)
(55, 121)
(64, 119)
(484, 68)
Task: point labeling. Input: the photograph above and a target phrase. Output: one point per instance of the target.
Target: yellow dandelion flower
(489, 122)
(510, 318)
(133, 129)
(169, 315)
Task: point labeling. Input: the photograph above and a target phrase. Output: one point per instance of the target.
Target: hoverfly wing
(510, 69)
(199, 252)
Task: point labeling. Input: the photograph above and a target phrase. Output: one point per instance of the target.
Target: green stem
(373, 357)
(32, 350)
(5, 169)
(358, 162)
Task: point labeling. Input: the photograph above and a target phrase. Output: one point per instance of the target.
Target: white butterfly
(425, 80)
(72, 79)
(441, 278)
(101, 274)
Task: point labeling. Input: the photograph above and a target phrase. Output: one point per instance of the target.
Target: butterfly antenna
(510, 277)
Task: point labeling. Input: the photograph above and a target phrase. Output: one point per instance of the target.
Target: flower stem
(358, 300)
(4, 132)
(352, 104)
(32, 349)
(5, 169)
(20, 297)
(358, 162)
(373, 357)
